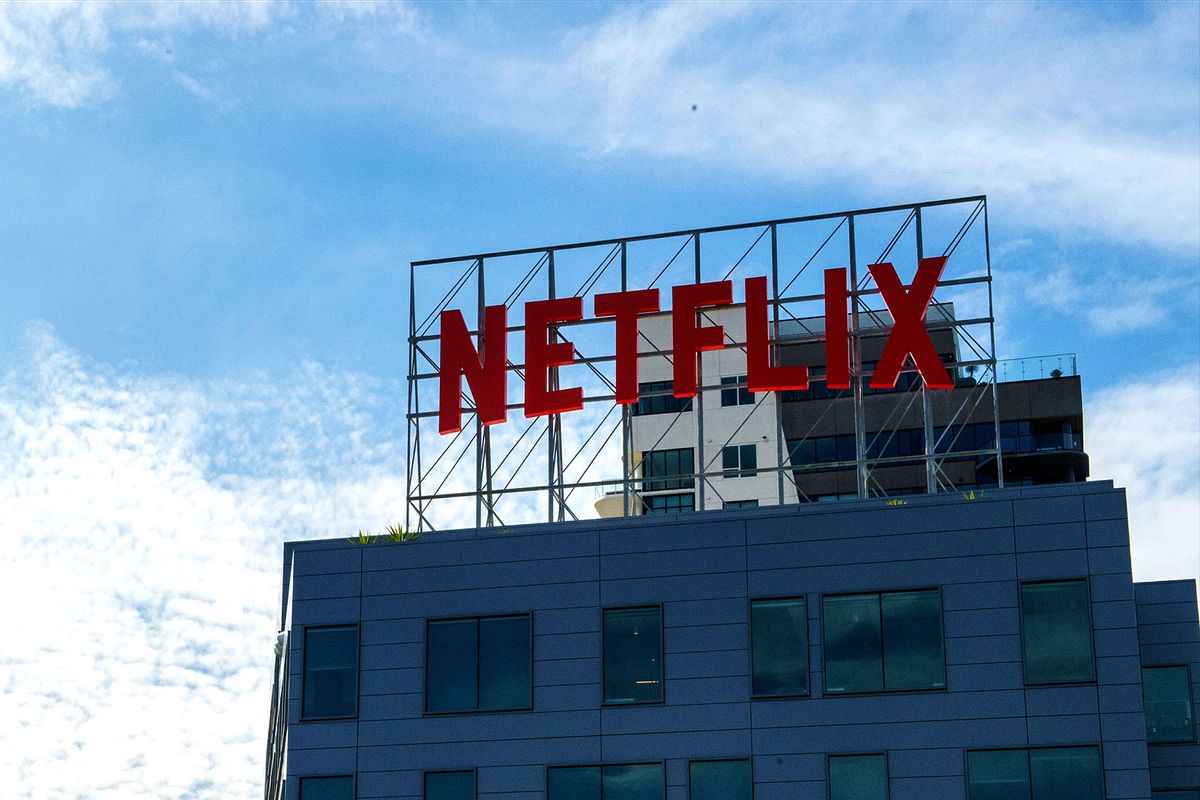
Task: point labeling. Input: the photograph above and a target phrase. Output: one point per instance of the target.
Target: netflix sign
(484, 366)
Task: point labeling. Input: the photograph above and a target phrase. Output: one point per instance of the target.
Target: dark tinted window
(883, 642)
(1176, 794)
(633, 670)
(1056, 625)
(673, 469)
(668, 503)
(479, 664)
(735, 396)
(1048, 773)
(1168, 702)
(450, 785)
(734, 504)
(858, 777)
(340, 788)
(739, 460)
(657, 397)
(330, 672)
(720, 780)
(779, 646)
(612, 782)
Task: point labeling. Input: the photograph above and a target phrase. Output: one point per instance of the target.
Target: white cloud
(140, 551)
(1145, 436)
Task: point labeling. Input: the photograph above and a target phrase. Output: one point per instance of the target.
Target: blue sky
(208, 211)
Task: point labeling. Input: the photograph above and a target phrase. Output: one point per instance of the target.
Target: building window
(330, 672)
(1176, 794)
(1056, 629)
(735, 504)
(779, 647)
(478, 664)
(668, 469)
(1046, 773)
(459, 785)
(739, 461)
(657, 397)
(669, 503)
(1167, 696)
(883, 642)
(720, 780)
(609, 782)
(340, 787)
(858, 777)
(633, 657)
(734, 395)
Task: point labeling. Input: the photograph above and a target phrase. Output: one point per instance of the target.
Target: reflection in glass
(574, 783)
(720, 780)
(912, 641)
(450, 785)
(853, 645)
(633, 656)
(1168, 701)
(452, 665)
(1057, 627)
(1066, 773)
(504, 659)
(330, 672)
(858, 778)
(998, 775)
(779, 641)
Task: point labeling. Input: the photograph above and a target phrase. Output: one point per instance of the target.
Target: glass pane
(450, 785)
(720, 780)
(1168, 702)
(729, 461)
(1066, 773)
(633, 782)
(779, 636)
(1176, 794)
(912, 641)
(998, 775)
(452, 665)
(853, 646)
(749, 459)
(330, 672)
(632, 656)
(857, 778)
(1057, 627)
(573, 783)
(327, 788)
(504, 663)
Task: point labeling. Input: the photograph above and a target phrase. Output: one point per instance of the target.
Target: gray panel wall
(1169, 635)
(704, 569)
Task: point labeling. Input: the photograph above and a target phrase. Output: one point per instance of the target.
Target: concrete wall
(703, 569)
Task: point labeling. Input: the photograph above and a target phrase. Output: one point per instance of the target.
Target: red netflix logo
(484, 369)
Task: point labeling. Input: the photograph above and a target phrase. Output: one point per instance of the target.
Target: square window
(339, 787)
(858, 777)
(890, 641)
(633, 657)
(478, 664)
(720, 780)
(330, 672)
(1056, 629)
(458, 785)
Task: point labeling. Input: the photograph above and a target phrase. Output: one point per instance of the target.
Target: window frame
(887, 770)
(474, 771)
(738, 385)
(357, 674)
(716, 759)
(662, 652)
(351, 775)
(882, 652)
(1187, 669)
(662, 765)
(1091, 630)
(740, 471)
(1027, 749)
(807, 646)
(425, 669)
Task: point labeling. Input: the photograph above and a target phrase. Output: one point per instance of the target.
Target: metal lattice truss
(554, 468)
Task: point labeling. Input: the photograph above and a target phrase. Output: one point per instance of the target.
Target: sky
(206, 220)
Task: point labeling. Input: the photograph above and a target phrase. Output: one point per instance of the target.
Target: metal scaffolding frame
(503, 469)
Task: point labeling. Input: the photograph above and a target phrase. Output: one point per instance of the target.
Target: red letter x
(909, 336)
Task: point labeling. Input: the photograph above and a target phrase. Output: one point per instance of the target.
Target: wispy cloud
(1145, 436)
(140, 550)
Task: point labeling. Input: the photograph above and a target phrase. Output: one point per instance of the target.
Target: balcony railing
(1032, 368)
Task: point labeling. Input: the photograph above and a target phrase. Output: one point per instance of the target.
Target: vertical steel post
(554, 480)
(413, 445)
(776, 352)
(856, 368)
(700, 463)
(926, 400)
(987, 250)
(483, 471)
(626, 414)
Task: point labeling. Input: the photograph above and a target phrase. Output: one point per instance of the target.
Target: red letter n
(484, 370)
(909, 336)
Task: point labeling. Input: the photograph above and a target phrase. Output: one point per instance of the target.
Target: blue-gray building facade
(978, 559)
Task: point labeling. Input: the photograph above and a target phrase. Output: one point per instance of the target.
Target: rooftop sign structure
(763, 307)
